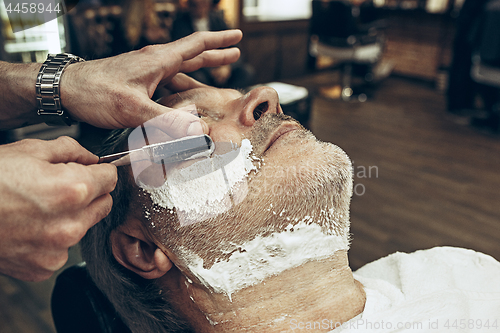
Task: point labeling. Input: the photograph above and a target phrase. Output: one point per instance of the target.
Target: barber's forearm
(17, 95)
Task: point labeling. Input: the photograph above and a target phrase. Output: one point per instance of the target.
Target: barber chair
(337, 32)
(484, 73)
(486, 63)
(78, 306)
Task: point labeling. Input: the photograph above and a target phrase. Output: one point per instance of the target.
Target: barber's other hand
(51, 193)
(116, 92)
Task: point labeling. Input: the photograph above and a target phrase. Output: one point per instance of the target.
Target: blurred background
(408, 88)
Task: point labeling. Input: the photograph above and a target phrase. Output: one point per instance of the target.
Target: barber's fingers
(212, 58)
(103, 178)
(176, 123)
(209, 58)
(183, 82)
(70, 187)
(50, 251)
(179, 123)
(66, 230)
(98, 209)
(194, 44)
(62, 150)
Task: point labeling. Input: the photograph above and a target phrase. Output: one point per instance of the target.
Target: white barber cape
(443, 289)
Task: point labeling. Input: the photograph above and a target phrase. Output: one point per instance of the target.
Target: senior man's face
(297, 178)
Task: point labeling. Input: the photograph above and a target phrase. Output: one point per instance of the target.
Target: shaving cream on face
(252, 262)
(248, 262)
(208, 187)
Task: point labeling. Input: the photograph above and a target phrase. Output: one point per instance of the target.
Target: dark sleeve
(182, 26)
(470, 11)
(217, 22)
(78, 306)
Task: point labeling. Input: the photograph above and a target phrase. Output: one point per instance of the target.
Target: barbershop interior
(409, 89)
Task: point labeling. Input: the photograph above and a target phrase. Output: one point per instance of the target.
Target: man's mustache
(265, 127)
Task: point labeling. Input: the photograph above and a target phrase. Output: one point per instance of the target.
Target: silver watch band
(48, 90)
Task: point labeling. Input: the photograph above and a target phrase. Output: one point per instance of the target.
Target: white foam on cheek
(262, 257)
(205, 188)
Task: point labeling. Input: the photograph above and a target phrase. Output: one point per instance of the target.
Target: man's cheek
(161, 221)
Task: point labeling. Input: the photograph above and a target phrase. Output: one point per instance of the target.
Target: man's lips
(281, 131)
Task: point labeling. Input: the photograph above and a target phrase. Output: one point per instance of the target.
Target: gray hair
(142, 305)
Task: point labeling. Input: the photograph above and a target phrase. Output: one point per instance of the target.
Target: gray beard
(319, 186)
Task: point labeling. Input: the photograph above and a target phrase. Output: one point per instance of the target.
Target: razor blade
(187, 148)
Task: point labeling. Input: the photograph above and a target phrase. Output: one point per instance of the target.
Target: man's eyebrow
(194, 95)
(189, 95)
(175, 99)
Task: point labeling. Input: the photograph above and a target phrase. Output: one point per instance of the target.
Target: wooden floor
(421, 181)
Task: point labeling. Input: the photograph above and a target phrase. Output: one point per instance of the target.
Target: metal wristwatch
(48, 92)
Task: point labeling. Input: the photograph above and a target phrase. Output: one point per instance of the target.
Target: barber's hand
(116, 92)
(51, 193)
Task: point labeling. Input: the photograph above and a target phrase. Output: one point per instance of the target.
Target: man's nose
(258, 102)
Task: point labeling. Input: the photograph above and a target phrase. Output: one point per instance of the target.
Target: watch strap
(48, 92)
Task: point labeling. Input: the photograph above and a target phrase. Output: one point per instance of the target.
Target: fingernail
(195, 129)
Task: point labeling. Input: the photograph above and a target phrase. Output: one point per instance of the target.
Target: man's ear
(134, 251)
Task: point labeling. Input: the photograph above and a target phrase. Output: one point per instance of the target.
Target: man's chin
(298, 159)
(302, 177)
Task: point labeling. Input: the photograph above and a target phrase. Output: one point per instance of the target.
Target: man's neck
(319, 291)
